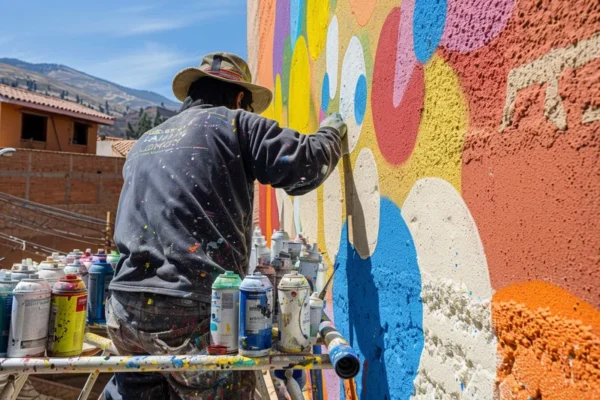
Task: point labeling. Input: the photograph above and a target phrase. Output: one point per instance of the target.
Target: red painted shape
(534, 189)
(396, 128)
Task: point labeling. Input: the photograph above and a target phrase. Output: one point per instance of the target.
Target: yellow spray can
(67, 317)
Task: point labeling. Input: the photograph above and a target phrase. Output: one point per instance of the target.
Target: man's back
(185, 213)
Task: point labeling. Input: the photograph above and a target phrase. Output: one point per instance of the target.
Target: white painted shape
(332, 213)
(285, 201)
(332, 55)
(309, 215)
(297, 222)
(366, 204)
(352, 68)
(460, 345)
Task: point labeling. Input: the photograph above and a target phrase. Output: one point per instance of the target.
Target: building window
(34, 127)
(80, 133)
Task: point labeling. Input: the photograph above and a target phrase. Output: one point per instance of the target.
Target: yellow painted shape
(278, 101)
(299, 98)
(227, 328)
(317, 13)
(438, 149)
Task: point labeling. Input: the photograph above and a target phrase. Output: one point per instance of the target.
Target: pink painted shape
(405, 57)
(471, 24)
(321, 118)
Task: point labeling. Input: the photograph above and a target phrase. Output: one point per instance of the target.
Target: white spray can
(29, 320)
(316, 311)
(50, 271)
(293, 293)
(77, 268)
(321, 275)
(225, 311)
(23, 271)
(279, 243)
(309, 266)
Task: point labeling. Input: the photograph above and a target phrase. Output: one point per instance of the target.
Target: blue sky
(134, 43)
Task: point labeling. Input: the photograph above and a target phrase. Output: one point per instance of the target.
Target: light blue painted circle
(378, 308)
(429, 20)
(360, 99)
(325, 93)
(295, 20)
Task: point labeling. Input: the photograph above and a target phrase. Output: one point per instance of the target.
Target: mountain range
(99, 94)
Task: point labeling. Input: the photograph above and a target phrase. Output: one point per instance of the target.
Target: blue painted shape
(429, 20)
(360, 99)
(296, 7)
(325, 93)
(176, 362)
(378, 309)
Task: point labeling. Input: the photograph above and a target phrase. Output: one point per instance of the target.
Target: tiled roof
(10, 94)
(123, 146)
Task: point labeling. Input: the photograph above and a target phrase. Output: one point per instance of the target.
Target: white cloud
(144, 68)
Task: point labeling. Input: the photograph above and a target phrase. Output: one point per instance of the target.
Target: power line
(50, 230)
(26, 243)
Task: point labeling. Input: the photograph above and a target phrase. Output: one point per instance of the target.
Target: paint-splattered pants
(145, 323)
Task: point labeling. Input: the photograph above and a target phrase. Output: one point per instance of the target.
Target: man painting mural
(185, 216)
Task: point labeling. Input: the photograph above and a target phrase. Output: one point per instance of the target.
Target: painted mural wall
(466, 217)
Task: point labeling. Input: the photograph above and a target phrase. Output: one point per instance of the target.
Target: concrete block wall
(81, 183)
(465, 218)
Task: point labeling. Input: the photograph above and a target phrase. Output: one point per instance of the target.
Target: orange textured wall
(10, 132)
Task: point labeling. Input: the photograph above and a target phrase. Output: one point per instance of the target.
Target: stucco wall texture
(466, 217)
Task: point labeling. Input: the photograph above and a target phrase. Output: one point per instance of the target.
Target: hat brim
(261, 96)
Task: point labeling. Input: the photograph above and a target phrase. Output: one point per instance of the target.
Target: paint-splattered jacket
(185, 212)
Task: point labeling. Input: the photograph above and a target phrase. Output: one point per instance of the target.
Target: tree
(106, 107)
(157, 119)
(77, 99)
(127, 109)
(162, 104)
(101, 109)
(144, 124)
(141, 112)
(130, 133)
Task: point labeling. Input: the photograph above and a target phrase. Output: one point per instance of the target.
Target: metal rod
(342, 355)
(91, 380)
(78, 365)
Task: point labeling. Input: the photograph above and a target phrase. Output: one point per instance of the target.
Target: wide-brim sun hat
(225, 67)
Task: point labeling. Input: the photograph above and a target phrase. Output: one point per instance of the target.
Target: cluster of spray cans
(282, 289)
(44, 306)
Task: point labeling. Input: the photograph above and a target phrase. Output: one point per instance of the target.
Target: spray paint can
(294, 322)
(256, 316)
(321, 275)
(295, 248)
(86, 259)
(99, 279)
(77, 268)
(50, 271)
(316, 311)
(29, 319)
(100, 256)
(279, 243)
(113, 259)
(24, 271)
(309, 266)
(67, 317)
(224, 311)
(6, 296)
(282, 266)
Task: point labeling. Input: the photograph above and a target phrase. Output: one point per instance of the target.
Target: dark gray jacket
(185, 212)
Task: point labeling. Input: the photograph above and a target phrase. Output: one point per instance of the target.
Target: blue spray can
(6, 296)
(256, 316)
(101, 273)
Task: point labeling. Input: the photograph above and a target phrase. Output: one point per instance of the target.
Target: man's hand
(336, 122)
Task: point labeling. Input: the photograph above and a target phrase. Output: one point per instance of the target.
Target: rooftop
(123, 146)
(52, 104)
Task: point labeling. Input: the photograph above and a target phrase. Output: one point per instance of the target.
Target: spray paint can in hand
(316, 311)
(6, 296)
(256, 316)
(67, 317)
(224, 311)
(77, 268)
(50, 271)
(100, 275)
(29, 320)
(294, 321)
